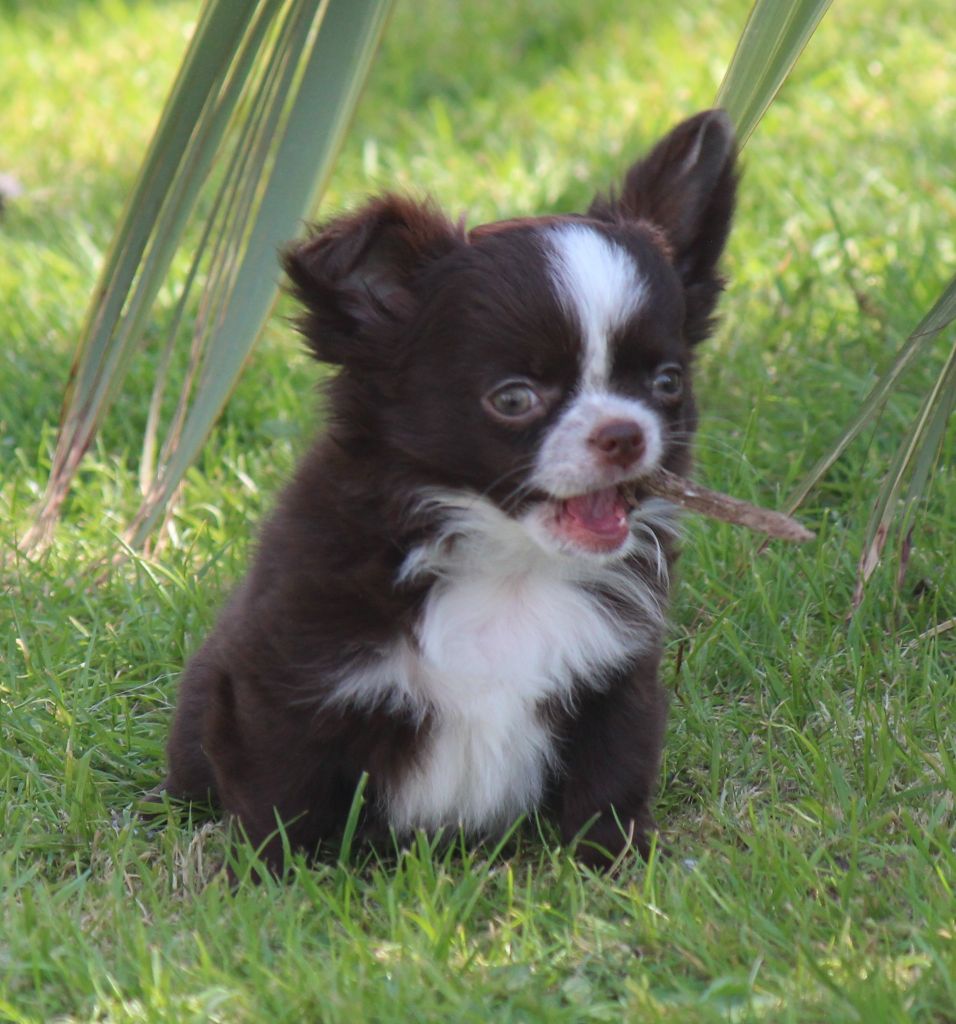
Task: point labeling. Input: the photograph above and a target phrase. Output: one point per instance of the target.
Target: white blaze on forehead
(597, 282)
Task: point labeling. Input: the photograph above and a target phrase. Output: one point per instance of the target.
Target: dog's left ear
(686, 187)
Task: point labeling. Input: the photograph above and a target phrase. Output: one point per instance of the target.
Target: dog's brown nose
(620, 442)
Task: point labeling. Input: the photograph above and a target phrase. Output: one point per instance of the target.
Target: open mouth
(595, 521)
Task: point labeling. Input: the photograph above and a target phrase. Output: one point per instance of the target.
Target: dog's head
(541, 363)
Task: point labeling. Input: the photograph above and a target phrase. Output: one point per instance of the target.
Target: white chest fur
(504, 628)
(491, 649)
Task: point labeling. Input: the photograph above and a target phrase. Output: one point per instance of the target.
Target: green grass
(809, 777)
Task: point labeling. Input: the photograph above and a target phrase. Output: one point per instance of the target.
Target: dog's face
(547, 367)
(541, 363)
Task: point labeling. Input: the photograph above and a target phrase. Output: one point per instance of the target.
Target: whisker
(704, 442)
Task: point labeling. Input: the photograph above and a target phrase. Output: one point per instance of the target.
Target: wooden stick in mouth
(705, 502)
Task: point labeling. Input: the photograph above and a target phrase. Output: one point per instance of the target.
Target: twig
(710, 503)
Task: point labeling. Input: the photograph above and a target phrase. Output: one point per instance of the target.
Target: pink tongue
(599, 511)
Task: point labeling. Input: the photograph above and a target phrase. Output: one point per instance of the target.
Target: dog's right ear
(356, 275)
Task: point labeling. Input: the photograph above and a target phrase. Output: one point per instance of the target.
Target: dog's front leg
(611, 764)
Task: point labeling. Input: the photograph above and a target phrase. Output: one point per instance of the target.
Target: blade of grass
(772, 40)
(335, 72)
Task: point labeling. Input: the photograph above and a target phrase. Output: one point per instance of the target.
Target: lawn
(808, 785)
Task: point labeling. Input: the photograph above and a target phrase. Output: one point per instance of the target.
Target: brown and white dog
(452, 595)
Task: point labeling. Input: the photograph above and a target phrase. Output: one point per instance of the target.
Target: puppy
(452, 594)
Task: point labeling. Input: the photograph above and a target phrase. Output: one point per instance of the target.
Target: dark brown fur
(420, 316)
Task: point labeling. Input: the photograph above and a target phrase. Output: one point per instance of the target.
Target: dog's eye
(516, 401)
(668, 383)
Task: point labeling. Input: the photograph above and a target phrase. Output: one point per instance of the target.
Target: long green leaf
(940, 316)
(335, 71)
(264, 95)
(915, 458)
(207, 138)
(773, 39)
(99, 361)
(941, 401)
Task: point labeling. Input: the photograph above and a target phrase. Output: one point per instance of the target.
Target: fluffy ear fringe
(356, 275)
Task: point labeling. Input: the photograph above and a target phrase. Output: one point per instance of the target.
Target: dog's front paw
(610, 840)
